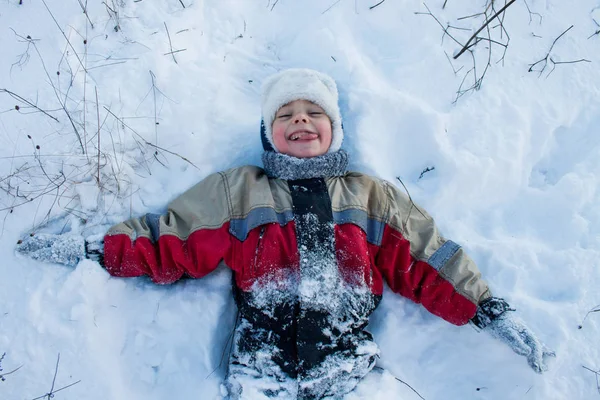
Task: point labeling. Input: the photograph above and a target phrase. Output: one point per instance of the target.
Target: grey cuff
(94, 251)
(489, 310)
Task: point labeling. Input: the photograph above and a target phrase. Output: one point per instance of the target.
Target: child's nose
(301, 118)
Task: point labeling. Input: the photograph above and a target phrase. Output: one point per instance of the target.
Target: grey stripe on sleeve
(443, 254)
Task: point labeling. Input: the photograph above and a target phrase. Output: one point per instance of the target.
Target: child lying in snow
(310, 245)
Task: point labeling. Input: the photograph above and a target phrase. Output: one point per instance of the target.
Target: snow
(516, 181)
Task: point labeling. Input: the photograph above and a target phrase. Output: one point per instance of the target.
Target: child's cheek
(279, 135)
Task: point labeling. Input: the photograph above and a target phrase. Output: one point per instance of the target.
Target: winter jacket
(309, 260)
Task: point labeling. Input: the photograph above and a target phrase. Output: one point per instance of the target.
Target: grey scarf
(290, 168)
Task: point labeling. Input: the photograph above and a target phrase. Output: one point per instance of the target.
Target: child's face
(302, 129)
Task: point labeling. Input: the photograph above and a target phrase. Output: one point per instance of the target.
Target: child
(310, 245)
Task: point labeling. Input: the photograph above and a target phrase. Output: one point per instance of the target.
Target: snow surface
(516, 181)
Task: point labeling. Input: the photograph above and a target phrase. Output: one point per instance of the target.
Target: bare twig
(84, 9)
(593, 310)
(456, 71)
(3, 375)
(57, 94)
(173, 52)
(544, 61)
(531, 14)
(330, 7)
(227, 345)
(148, 143)
(183, 5)
(64, 35)
(439, 23)
(85, 54)
(474, 36)
(597, 373)
(570, 62)
(476, 73)
(378, 4)
(594, 34)
(412, 203)
(106, 65)
(426, 170)
(51, 393)
(30, 104)
(470, 16)
(170, 44)
(154, 98)
(98, 114)
(597, 31)
(401, 381)
(113, 13)
(23, 57)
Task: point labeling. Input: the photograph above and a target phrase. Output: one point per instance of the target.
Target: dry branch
(477, 74)
(597, 31)
(60, 101)
(147, 143)
(30, 104)
(330, 7)
(23, 57)
(84, 9)
(98, 114)
(3, 375)
(593, 310)
(154, 100)
(597, 373)
(445, 29)
(426, 170)
(548, 58)
(468, 44)
(381, 2)
(64, 35)
(401, 381)
(51, 393)
(170, 44)
(531, 14)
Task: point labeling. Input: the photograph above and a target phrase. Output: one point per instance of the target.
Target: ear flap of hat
(267, 146)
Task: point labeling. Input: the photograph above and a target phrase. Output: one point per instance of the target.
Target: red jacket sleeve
(418, 263)
(191, 238)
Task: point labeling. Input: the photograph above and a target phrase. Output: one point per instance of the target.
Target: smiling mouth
(303, 135)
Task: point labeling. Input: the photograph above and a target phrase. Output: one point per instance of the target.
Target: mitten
(67, 249)
(494, 316)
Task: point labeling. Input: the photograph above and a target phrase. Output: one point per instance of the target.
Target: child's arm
(192, 238)
(419, 263)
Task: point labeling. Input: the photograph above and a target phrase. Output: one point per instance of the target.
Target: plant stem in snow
(51, 393)
(98, 114)
(474, 36)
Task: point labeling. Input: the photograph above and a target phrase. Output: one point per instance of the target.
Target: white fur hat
(302, 84)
